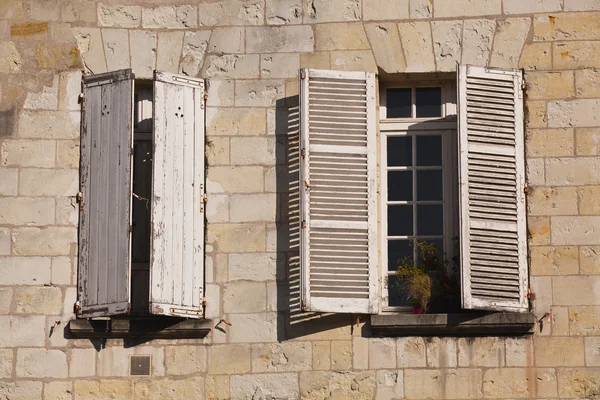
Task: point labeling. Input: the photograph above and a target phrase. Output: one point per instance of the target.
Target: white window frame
(447, 126)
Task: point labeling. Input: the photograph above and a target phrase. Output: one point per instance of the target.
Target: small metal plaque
(140, 365)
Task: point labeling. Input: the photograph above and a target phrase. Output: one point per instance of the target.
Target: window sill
(140, 327)
(463, 324)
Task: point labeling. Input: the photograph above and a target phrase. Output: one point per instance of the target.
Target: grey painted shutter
(177, 241)
(105, 210)
(492, 178)
(338, 255)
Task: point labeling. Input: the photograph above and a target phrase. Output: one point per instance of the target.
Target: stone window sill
(460, 324)
(140, 327)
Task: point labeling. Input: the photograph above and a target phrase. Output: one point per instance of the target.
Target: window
(419, 191)
(154, 166)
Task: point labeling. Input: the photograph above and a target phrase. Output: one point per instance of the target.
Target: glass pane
(399, 151)
(428, 102)
(397, 293)
(429, 185)
(429, 150)
(399, 103)
(400, 220)
(398, 250)
(400, 186)
(430, 220)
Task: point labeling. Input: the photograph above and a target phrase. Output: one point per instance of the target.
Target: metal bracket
(80, 200)
(303, 74)
(303, 152)
(303, 224)
(530, 295)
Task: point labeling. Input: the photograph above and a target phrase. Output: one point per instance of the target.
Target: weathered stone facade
(250, 52)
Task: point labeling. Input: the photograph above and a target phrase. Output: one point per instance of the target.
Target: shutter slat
(493, 236)
(339, 250)
(177, 252)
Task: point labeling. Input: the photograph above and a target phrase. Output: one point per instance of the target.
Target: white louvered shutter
(177, 239)
(338, 193)
(492, 178)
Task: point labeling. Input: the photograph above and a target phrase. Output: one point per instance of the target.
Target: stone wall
(250, 52)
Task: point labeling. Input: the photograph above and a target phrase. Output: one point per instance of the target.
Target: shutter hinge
(81, 98)
(204, 302)
(306, 185)
(303, 224)
(131, 151)
(530, 295)
(80, 200)
(303, 152)
(303, 74)
(77, 306)
(130, 228)
(524, 86)
(526, 189)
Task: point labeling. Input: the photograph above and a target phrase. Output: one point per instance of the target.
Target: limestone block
(514, 383)
(184, 360)
(47, 182)
(315, 60)
(286, 39)
(227, 40)
(170, 17)
(535, 172)
(104, 389)
(592, 351)
(441, 352)
(91, 48)
(411, 352)
(382, 353)
(573, 171)
(554, 260)
(354, 60)
(532, 6)
(217, 209)
(10, 59)
(78, 10)
(280, 386)
(41, 363)
(590, 260)
(158, 389)
(263, 93)
(550, 85)
(284, 12)
(480, 352)
(575, 54)
(329, 11)
(220, 93)
(28, 153)
(375, 10)
(418, 46)
(169, 51)
(243, 266)
(119, 16)
(69, 90)
(21, 390)
(580, 383)
(4, 241)
(229, 359)
(38, 300)
(237, 237)
(508, 42)
(51, 241)
(22, 331)
(387, 49)
(116, 48)
(282, 357)
(280, 66)
(82, 362)
(447, 44)
(48, 124)
(466, 8)
(235, 121)
(253, 151)
(217, 387)
(253, 328)
(47, 99)
(316, 385)
(321, 356)
(360, 352)
(244, 297)
(253, 208)
(24, 270)
(5, 303)
(58, 390)
(576, 290)
(6, 363)
(341, 355)
(460, 383)
(67, 153)
(114, 360)
(542, 287)
(232, 66)
(519, 351)
(583, 320)
(11, 9)
(235, 180)
(231, 12)
(559, 351)
(560, 321)
(390, 384)
(535, 114)
(217, 151)
(347, 36)
(67, 211)
(144, 62)
(9, 178)
(536, 56)
(582, 5)
(589, 200)
(587, 83)
(566, 26)
(192, 55)
(552, 201)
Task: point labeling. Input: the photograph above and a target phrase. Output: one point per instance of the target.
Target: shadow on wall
(7, 121)
(292, 321)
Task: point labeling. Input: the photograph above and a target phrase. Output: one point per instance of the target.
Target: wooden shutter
(338, 193)
(105, 207)
(177, 241)
(492, 178)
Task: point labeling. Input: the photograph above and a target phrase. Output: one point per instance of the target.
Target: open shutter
(177, 241)
(492, 178)
(338, 255)
(105, 207)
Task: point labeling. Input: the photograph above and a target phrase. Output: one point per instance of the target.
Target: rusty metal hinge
(80, 200)
(204, 302)
(303, 152)
(530, 295)
(303, 74)
(303, 224)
